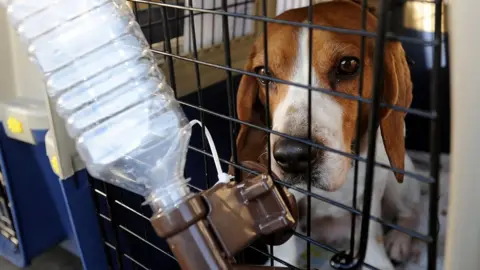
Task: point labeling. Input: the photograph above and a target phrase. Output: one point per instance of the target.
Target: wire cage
(6, 221)
(204, 65)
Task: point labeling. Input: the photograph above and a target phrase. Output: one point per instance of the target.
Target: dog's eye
(348, 66)
(262, 71)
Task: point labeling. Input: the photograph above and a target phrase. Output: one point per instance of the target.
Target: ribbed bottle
(105, 83)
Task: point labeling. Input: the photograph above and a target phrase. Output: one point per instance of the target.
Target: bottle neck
(165, 199)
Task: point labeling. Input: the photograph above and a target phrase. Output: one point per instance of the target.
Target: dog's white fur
(291, 117)
(419, 259)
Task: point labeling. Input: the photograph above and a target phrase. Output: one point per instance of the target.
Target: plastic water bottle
(99, 70)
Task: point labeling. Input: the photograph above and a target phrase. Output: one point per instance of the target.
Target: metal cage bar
(435, 134)
(358, 122)
(267, 100)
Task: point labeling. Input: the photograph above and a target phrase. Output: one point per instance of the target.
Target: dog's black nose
(293, 156)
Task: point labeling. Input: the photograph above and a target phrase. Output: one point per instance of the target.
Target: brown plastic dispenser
(206, 230)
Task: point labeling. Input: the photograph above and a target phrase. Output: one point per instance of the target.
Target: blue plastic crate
(46, 211)
(35, 218)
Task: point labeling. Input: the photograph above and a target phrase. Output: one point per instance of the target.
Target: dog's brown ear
(251, 141)
(397, 91)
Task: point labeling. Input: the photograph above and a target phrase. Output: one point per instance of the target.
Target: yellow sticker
(14, 125)
(55, 165)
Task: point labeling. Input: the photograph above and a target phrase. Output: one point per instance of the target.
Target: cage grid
(201, 72)
(7, 228)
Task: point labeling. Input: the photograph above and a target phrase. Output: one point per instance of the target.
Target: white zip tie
(222, 177)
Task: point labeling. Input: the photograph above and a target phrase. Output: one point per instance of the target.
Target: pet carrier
(37, 208)
(24, 233)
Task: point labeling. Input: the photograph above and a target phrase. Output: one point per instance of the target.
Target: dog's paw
(398, 245)
(419, 249)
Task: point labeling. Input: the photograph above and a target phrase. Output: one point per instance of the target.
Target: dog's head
(335, 66)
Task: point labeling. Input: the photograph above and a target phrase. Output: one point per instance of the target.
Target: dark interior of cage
(130, 241)
(150, 20)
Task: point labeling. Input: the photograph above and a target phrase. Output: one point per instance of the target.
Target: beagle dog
(335, 66)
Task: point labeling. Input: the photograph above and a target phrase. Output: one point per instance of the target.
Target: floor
(55, 259)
